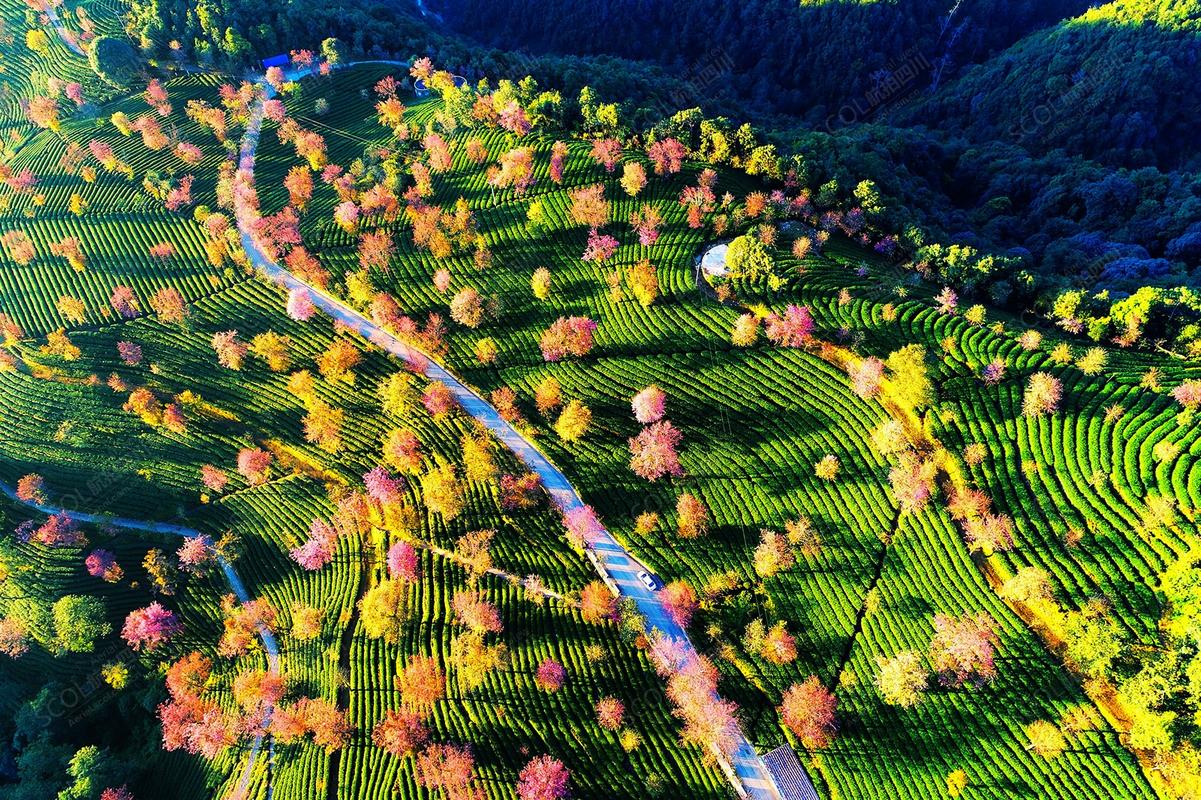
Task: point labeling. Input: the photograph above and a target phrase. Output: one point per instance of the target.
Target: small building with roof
(790, 777)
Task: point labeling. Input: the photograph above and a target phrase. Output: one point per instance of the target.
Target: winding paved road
(749, 768)
(65, 35)
(751, 771)
(270, 645)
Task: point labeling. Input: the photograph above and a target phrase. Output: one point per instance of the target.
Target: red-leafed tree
(326, 722)
(20, 247)
(653, 451)
(421, 683)
(964, 648)
(231, 351)
(597, 603)
(300, 305)
(169, 305)
(188, 675)
(808, 710)
(437, 152)
(32, 489)
(779, 646)
(254, 465)
(667, 155)
(793, 328)
(692, 518)
(448, 767)
(197, 726)
(318, 549)
(375, 250)
(516, 170)
(866, 376)
(646, 221)
(124, 302)
(475, 613)
(709, 722)
(567, 336)
(147, 628)
(213, 479)
(550, 675)
(610, 712)
(600, 247)
(514, 119)
(680, 602)
(438, 399)
(400, 733)
(117, 793)
(606, 152)
(403, 563)
(299, 183)
(589, 206)
(520, 492)
(544, 778)
(558, 157)
(583, 526)
(103, 564)
(402, 450)
(467, 307)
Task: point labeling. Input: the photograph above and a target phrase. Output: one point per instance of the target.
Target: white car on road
(648, 581)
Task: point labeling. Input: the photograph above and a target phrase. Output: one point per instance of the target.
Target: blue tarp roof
(280, 60)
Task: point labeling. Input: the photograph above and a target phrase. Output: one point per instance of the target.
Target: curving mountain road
(751, 775)
(751, 772)
(270, 645)
(65, 35)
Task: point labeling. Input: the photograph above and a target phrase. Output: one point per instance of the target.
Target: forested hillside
(1116, 84)
(1073, 222)
(808, 58)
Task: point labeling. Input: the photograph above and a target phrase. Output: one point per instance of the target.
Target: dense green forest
(1073, 221)
(232, 35)
(232, 32)
(808, 59)
(1115, 84)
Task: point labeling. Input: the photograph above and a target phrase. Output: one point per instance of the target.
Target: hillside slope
(1114, 84)
(807, 58)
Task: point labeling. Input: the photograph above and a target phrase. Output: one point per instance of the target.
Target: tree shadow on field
(1014, 788)
(174, 774)
(1031, 685)
(878, 732)
(913, 606)
(855, 564)
(539, 635)
(505, 747)
(748, 431)
(1141, 600)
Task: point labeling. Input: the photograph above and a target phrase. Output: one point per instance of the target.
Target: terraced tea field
(754, 423)
(771, 439)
